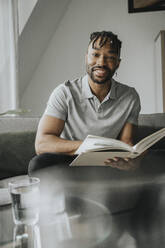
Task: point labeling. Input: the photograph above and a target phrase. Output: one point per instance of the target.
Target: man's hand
(122, 164)
(126, 135)
(125, 163)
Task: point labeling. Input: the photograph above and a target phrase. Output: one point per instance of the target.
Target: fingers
(127, 159)
(110, 160)
(113, 162)
(116, 159)
(121, 163)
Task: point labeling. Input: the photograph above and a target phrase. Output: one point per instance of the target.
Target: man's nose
(101, 61)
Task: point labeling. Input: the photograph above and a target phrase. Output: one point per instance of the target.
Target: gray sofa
(17, 135)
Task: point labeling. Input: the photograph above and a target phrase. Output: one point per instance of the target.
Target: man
(95, 104)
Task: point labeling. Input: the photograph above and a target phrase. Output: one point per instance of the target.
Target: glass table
(94, 207)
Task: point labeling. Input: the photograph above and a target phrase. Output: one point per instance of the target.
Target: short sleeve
(136, 107)
(57, 103)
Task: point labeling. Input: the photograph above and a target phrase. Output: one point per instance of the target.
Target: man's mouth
(100, 72)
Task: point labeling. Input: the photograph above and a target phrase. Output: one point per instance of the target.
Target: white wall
(64, 57)
(25, 8)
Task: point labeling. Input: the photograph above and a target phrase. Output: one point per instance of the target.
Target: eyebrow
(110, 51)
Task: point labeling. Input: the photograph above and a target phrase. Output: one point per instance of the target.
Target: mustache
(100, 67)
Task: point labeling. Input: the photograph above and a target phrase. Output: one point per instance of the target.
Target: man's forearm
(51, 143)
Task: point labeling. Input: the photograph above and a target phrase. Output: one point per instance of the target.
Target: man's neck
(100, 90)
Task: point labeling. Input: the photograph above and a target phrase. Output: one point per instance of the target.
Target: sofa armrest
(16, 150)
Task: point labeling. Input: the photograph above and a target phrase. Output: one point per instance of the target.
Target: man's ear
(86, 57)
(118, 63)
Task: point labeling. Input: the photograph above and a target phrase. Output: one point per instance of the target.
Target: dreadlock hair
(105, 37)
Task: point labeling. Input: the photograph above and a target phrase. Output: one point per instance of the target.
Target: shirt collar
(87, 93)
(112, 94)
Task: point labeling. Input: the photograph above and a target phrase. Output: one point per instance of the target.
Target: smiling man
(94, 104)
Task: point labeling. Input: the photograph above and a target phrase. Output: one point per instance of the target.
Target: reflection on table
(94, 207)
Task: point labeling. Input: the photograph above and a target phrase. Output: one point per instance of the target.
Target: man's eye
(111, 58)
(95, 54)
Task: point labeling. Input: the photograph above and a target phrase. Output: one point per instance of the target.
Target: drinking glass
(26, 236)
(25, 200)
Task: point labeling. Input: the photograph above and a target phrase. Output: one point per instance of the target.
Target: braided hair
(105, 37)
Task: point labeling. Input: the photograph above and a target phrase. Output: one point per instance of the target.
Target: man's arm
(48, 137)
(127, 132)
(126, 135)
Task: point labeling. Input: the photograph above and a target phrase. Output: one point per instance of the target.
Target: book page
(148, 141)
(96, 143)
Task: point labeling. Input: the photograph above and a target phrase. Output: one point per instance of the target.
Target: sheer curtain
(9, 98)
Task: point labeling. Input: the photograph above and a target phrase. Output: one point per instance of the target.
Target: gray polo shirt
(83, 113)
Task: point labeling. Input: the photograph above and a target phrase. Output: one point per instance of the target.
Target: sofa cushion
(16, 150)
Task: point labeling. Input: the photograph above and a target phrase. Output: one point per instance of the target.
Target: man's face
(101, 62)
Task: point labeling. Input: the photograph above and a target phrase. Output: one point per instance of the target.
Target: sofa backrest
(156, 120)
(148, 124)
(18, 124)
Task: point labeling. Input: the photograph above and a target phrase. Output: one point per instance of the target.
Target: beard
(102, 79)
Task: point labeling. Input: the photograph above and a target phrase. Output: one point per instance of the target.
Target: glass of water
(25, 200)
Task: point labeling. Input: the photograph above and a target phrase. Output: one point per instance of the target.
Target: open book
(95, 149)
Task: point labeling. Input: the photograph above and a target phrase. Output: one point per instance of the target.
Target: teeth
(100, 71)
